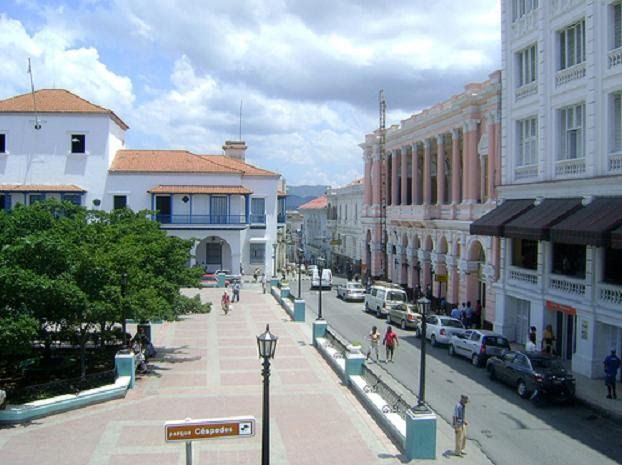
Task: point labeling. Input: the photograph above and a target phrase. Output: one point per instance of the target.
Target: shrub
(186, 305)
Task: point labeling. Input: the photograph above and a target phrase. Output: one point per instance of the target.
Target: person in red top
(390, 343)
(225, 302)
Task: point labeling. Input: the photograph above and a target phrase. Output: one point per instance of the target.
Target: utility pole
(383, 182)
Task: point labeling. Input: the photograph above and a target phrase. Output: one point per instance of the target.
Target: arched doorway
(214, 253)
(476, 280)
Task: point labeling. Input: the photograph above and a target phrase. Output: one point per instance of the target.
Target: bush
(187, 305)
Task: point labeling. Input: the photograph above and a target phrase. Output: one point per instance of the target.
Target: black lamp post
(300, 252)
(424, 305)
(418, 286)
(123, 306)
(320, 269)
(266, 345)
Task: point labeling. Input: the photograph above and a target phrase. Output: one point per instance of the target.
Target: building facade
(561, 186)
(74, 150)
(441, 170)
(315, 234)
(345, 205)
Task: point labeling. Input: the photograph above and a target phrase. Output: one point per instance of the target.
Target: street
(509, 429)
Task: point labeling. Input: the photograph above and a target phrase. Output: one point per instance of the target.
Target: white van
(327, 279)
(382, 296)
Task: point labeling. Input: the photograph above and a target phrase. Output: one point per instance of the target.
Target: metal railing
(201, 219)
(394, 403)
(258, 219)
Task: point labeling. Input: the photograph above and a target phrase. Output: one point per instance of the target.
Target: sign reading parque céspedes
(210, 428)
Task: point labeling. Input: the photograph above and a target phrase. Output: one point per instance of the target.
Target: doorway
(565, 332)
(163, 207)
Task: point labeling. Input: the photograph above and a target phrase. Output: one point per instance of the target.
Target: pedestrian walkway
(207, 367)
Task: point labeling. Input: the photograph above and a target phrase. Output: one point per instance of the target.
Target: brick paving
(207, 367)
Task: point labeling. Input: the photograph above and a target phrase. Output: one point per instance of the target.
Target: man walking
(236, 292)
(611, 365)
(460, 424)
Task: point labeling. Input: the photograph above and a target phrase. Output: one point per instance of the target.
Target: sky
(306, 73)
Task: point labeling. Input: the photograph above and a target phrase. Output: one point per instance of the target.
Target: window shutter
(617, 25)
(617, 123)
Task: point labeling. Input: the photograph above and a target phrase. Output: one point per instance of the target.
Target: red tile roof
(55, 101)
(320, 202)
(194, 189)
(280, 193)
(181, 161)
(40, 188)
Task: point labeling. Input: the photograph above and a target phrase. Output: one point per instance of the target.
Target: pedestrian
(236, 292)
(477, 315)
(459, 423)
(455, 312)
(390, 342)
(263, 282)
(547, 339)
(611, 365)
(225, 303)
(468, 315)
(531, 345)
(463, 313)
(374, 340)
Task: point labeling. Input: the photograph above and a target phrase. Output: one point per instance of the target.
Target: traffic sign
(211, 428)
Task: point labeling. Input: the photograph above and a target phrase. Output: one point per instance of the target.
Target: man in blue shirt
(611, 365)
(460, 424)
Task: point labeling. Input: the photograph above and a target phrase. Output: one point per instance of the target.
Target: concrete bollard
(299, 310)
(220, 280)
(125, 366)
(420, 442)
(284, 293)
(319, 330)
(274, 282)
(354, 366)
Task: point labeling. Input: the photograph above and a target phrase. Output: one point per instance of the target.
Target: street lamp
(300, 252)
(418, 286)
(123, 306)
(320, 269)
(424, 306)
(266, 345)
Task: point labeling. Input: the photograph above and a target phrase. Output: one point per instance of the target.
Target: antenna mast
(240, 138)
(383, 181)
(34, 101)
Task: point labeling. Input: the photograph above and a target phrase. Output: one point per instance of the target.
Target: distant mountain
(297, 195)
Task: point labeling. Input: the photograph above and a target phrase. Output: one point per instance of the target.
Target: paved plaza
(207, 367)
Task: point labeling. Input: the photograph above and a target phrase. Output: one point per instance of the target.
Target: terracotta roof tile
(280, 193)
(40, 188)
(55, 101)
(320, 202)
(181, 161)
(197, 189)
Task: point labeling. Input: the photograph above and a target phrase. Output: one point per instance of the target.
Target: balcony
(526, 91)
(610, 295)
(566, 286)
(614, 57)
(570, 74)
(525, 172)
(202, 219)
(615, 162)
(258, 219)
(523, 276)
(571, 167)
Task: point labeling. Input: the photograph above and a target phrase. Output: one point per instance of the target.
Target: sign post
(189, 430)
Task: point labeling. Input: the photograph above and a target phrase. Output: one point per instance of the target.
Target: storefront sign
(557, 307)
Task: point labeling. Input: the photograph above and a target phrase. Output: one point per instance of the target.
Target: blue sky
(308, 71)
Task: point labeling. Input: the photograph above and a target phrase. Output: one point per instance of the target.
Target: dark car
(533, 373)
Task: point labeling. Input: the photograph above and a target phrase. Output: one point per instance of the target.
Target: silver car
(478, 345)
(440, 328)
(351, 291)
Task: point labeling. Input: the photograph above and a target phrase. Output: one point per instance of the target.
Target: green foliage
(185, 305)
(16, 334)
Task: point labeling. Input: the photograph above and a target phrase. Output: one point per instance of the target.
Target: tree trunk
(83, 339)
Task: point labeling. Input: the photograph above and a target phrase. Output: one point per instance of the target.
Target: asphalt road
(510, 430)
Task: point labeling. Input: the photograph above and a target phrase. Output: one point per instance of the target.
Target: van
(327, 279)
(382, 296)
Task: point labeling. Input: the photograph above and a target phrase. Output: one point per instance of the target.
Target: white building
(561, 177)
(75, 150)
(345, 205)
(315, 234)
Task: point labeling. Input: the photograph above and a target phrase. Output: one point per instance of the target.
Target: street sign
(335, 242)
(441, 278)
(211, 428)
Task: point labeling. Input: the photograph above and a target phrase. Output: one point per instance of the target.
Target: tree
(61, 264)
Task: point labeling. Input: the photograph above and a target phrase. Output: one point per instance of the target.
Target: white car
(327, 279)
(478, 345)
(351, 291)
(406, 315)
(440, 328)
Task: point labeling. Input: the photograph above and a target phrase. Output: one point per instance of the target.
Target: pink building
(442, 166)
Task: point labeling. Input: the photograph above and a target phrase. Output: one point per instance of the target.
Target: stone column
(367, 183)
(455, 166)
(415, 176)
(440, 170)
(493, 153)
(472, 162)
(376, 184)
(427, 178)
(394, 185)
(404, 172)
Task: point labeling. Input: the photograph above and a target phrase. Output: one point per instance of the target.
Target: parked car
(478, 345)
(310, 269)
(327, 279)
(439, 329)
(405, 315)
(382, 296)
(228, 275)
(529, 372)
(351, 291)
(208, 280)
